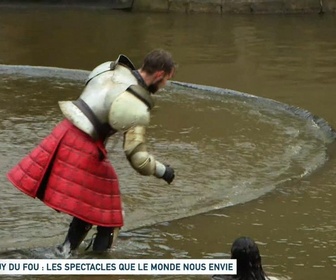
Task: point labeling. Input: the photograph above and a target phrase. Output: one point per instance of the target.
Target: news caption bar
(117, 267)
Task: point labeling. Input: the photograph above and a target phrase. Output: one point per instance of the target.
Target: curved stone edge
(81, 75)
(44, 72)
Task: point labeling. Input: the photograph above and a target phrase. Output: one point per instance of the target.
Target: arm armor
(136, 152)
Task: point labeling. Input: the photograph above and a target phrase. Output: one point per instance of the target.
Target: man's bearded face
(154, 87)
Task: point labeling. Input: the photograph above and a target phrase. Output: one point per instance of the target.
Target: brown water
(274, 168)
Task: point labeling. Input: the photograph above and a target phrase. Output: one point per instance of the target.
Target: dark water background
(263, 172)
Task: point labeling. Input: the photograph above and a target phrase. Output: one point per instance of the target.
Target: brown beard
(155, 86)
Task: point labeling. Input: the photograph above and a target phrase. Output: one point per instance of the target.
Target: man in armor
(69, 170)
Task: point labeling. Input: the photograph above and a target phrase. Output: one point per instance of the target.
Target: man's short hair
(158, 60)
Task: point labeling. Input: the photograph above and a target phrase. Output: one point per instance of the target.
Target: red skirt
(70, 172)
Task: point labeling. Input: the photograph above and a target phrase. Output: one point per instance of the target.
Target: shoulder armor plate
(110, 66)
(142, 94)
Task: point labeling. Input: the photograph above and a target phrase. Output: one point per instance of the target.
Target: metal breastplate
(90, 112)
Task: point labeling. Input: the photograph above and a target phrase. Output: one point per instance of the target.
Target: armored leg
(103, 239)
(78, 230)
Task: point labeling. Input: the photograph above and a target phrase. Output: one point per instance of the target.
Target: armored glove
(169, 174)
